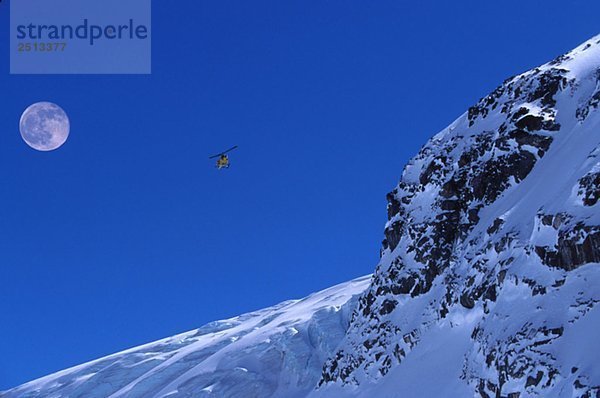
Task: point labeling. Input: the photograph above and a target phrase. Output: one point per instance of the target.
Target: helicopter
(223, 159)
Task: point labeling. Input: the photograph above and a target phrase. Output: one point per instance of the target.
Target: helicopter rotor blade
(229, 150)
(224, 152)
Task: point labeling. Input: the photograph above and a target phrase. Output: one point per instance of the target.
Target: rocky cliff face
(494, 228)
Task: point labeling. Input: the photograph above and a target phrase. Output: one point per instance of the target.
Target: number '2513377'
(41, 47)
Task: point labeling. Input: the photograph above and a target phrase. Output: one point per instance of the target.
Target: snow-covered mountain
(275, 352)
(490, 274)
(487, 286)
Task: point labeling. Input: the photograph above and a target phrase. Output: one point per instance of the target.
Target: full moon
(44, 126)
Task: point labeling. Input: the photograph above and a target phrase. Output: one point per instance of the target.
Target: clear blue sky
(128, 234)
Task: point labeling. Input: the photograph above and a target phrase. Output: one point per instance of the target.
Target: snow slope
(275, 352)
(487, 286)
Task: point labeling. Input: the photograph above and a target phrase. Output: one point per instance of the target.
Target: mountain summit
(487, 284)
